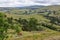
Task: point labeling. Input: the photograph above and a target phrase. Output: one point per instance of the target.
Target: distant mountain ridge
(25, 7)
(31, 7)
(34, 6)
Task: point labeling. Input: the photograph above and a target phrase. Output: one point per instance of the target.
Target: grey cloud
(41, 1)
(28, 2)
(47, 1)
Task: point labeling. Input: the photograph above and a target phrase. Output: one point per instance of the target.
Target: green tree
(10, 20)
(33, 24)
(4, 26)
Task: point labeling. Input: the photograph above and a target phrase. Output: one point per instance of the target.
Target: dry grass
(36, 36)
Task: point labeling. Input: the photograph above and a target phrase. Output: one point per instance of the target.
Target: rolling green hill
(27, 24)
(44, 14)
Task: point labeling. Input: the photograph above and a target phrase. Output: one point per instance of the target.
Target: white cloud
(15, 3)
(48, 2)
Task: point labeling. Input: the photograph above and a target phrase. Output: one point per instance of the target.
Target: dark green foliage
(33, 24)
(6, 24)
(24, 24)
(2, 26)
(29, 25)
(49, 26)
(10, 20)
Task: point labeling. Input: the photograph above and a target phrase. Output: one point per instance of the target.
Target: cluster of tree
(5, 25)
(29, 25)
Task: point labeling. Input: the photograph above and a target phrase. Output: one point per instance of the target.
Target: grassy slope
(33, 35)
(39, 17)
(57, 7)
(45, 35)
(36, 35)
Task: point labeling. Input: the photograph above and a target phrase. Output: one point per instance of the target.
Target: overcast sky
(19, 3)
